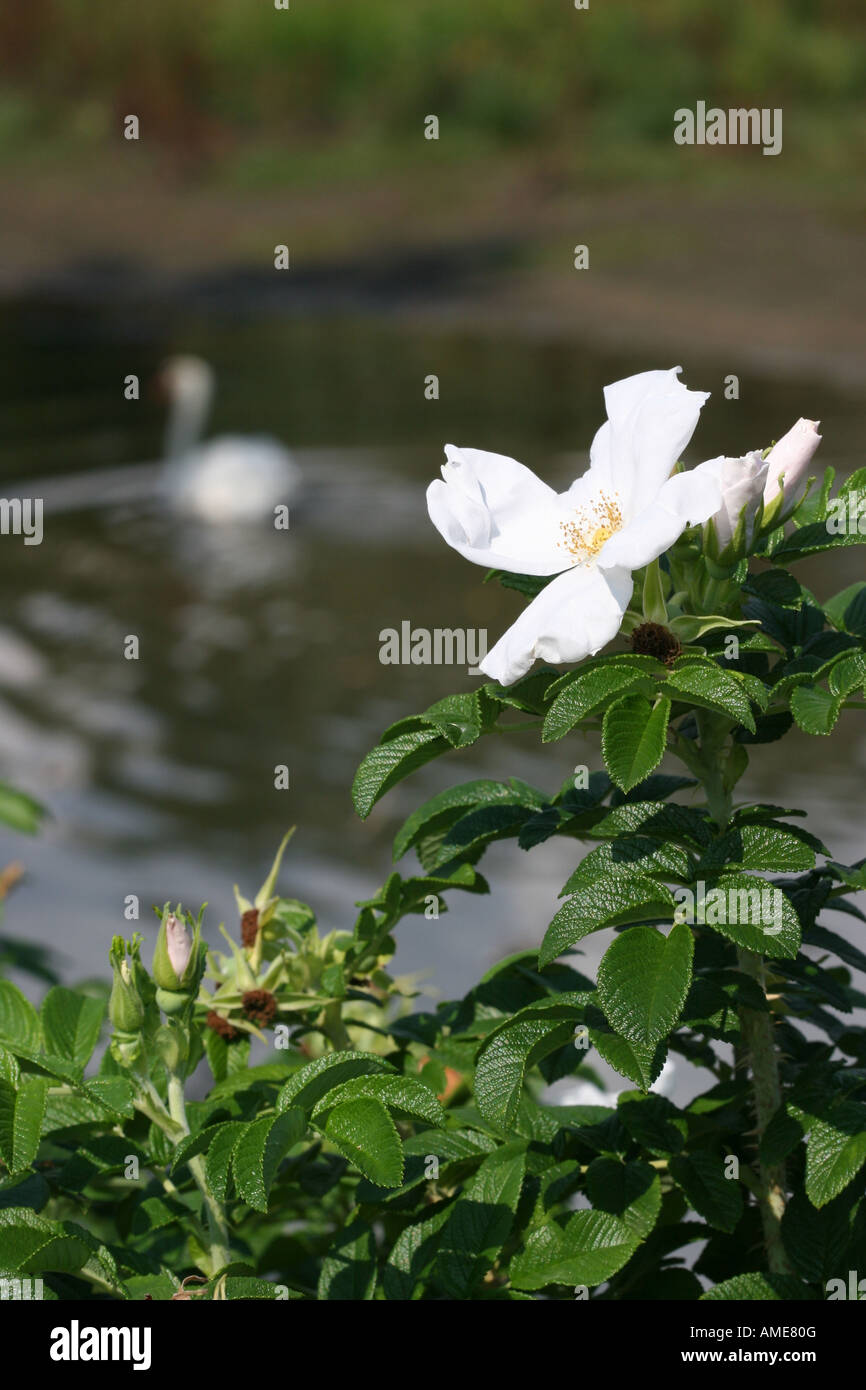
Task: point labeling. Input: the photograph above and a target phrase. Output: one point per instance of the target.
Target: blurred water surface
(260, 648)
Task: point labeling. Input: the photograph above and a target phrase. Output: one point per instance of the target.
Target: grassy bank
(255, 94)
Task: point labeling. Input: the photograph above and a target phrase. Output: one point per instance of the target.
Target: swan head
(188, 382)
(187, 378)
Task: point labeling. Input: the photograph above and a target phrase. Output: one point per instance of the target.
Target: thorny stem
(219, 1236)
(759, 1047)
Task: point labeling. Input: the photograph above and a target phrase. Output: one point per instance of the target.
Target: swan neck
(186, 421)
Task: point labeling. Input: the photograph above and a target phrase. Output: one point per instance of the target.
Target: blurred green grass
(341, 87)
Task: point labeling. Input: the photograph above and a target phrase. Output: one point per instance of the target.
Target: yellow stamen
(596, 523)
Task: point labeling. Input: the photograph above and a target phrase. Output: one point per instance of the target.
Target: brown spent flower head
(222, 1026)
(653, 639)
(250, 926)
(259, 1006)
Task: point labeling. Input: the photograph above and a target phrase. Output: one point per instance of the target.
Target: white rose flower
(622, 513)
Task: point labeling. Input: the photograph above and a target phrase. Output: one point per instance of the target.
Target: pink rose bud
(742, 482)
(178, 942)
(789, 461)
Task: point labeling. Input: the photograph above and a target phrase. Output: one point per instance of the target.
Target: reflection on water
(260, 648)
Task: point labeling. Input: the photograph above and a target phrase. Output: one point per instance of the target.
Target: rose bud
(788, 462)
(730, 531)
(125, 1006)
(178, 958)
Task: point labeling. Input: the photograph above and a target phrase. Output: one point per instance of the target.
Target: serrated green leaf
(754, 1287)
(258, 1152)
(584, 692)
(246, 1287)
(218, 1164)
(659, 819)
(477, 829)
(388, 763)
(775, 586)
(194, 1144)
(31, 1244)
(349, 1268)
(155, 1213)
(21, 1113)
(848, 674)
(780, 1138)
(307, 1086)
(752, 913)
(643, 980)
(71, 1024)
(479, 1222)
(364, 1133)
(631, 1191)
(701, 1175)
(705, 684)
(816, 1241)
(604, 904)
(812, 540)
(640, 1064)
(814, 709)
(457, 717)
(504, 1058)
(412, 1254)
(653, 1122)
(621, 857)
(835, 1152)
(589, 1249)
(758, 846)
(19, 1023)
(447, 807)
(409, 1097)
(113, 1093)
(633, 738)
(29, 1191)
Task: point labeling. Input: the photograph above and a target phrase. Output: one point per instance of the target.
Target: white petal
(651, 418)
(496, 512)
(687, 499)
(573, 617)
(505, 486)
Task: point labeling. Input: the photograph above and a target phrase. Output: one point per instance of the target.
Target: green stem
(334, 1028)
(217, 1226)
(714, 736)
(758, 1044)
(756, 1047)
(704, 759)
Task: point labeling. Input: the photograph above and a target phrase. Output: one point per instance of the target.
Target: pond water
(260, 648)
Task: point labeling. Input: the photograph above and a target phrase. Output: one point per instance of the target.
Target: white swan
(229, 478)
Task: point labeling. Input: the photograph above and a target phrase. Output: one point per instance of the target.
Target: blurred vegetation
(258, 94)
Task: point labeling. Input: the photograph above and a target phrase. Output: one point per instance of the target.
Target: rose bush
(378, 1152)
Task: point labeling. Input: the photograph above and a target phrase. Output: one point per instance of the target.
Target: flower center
(593, 524)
